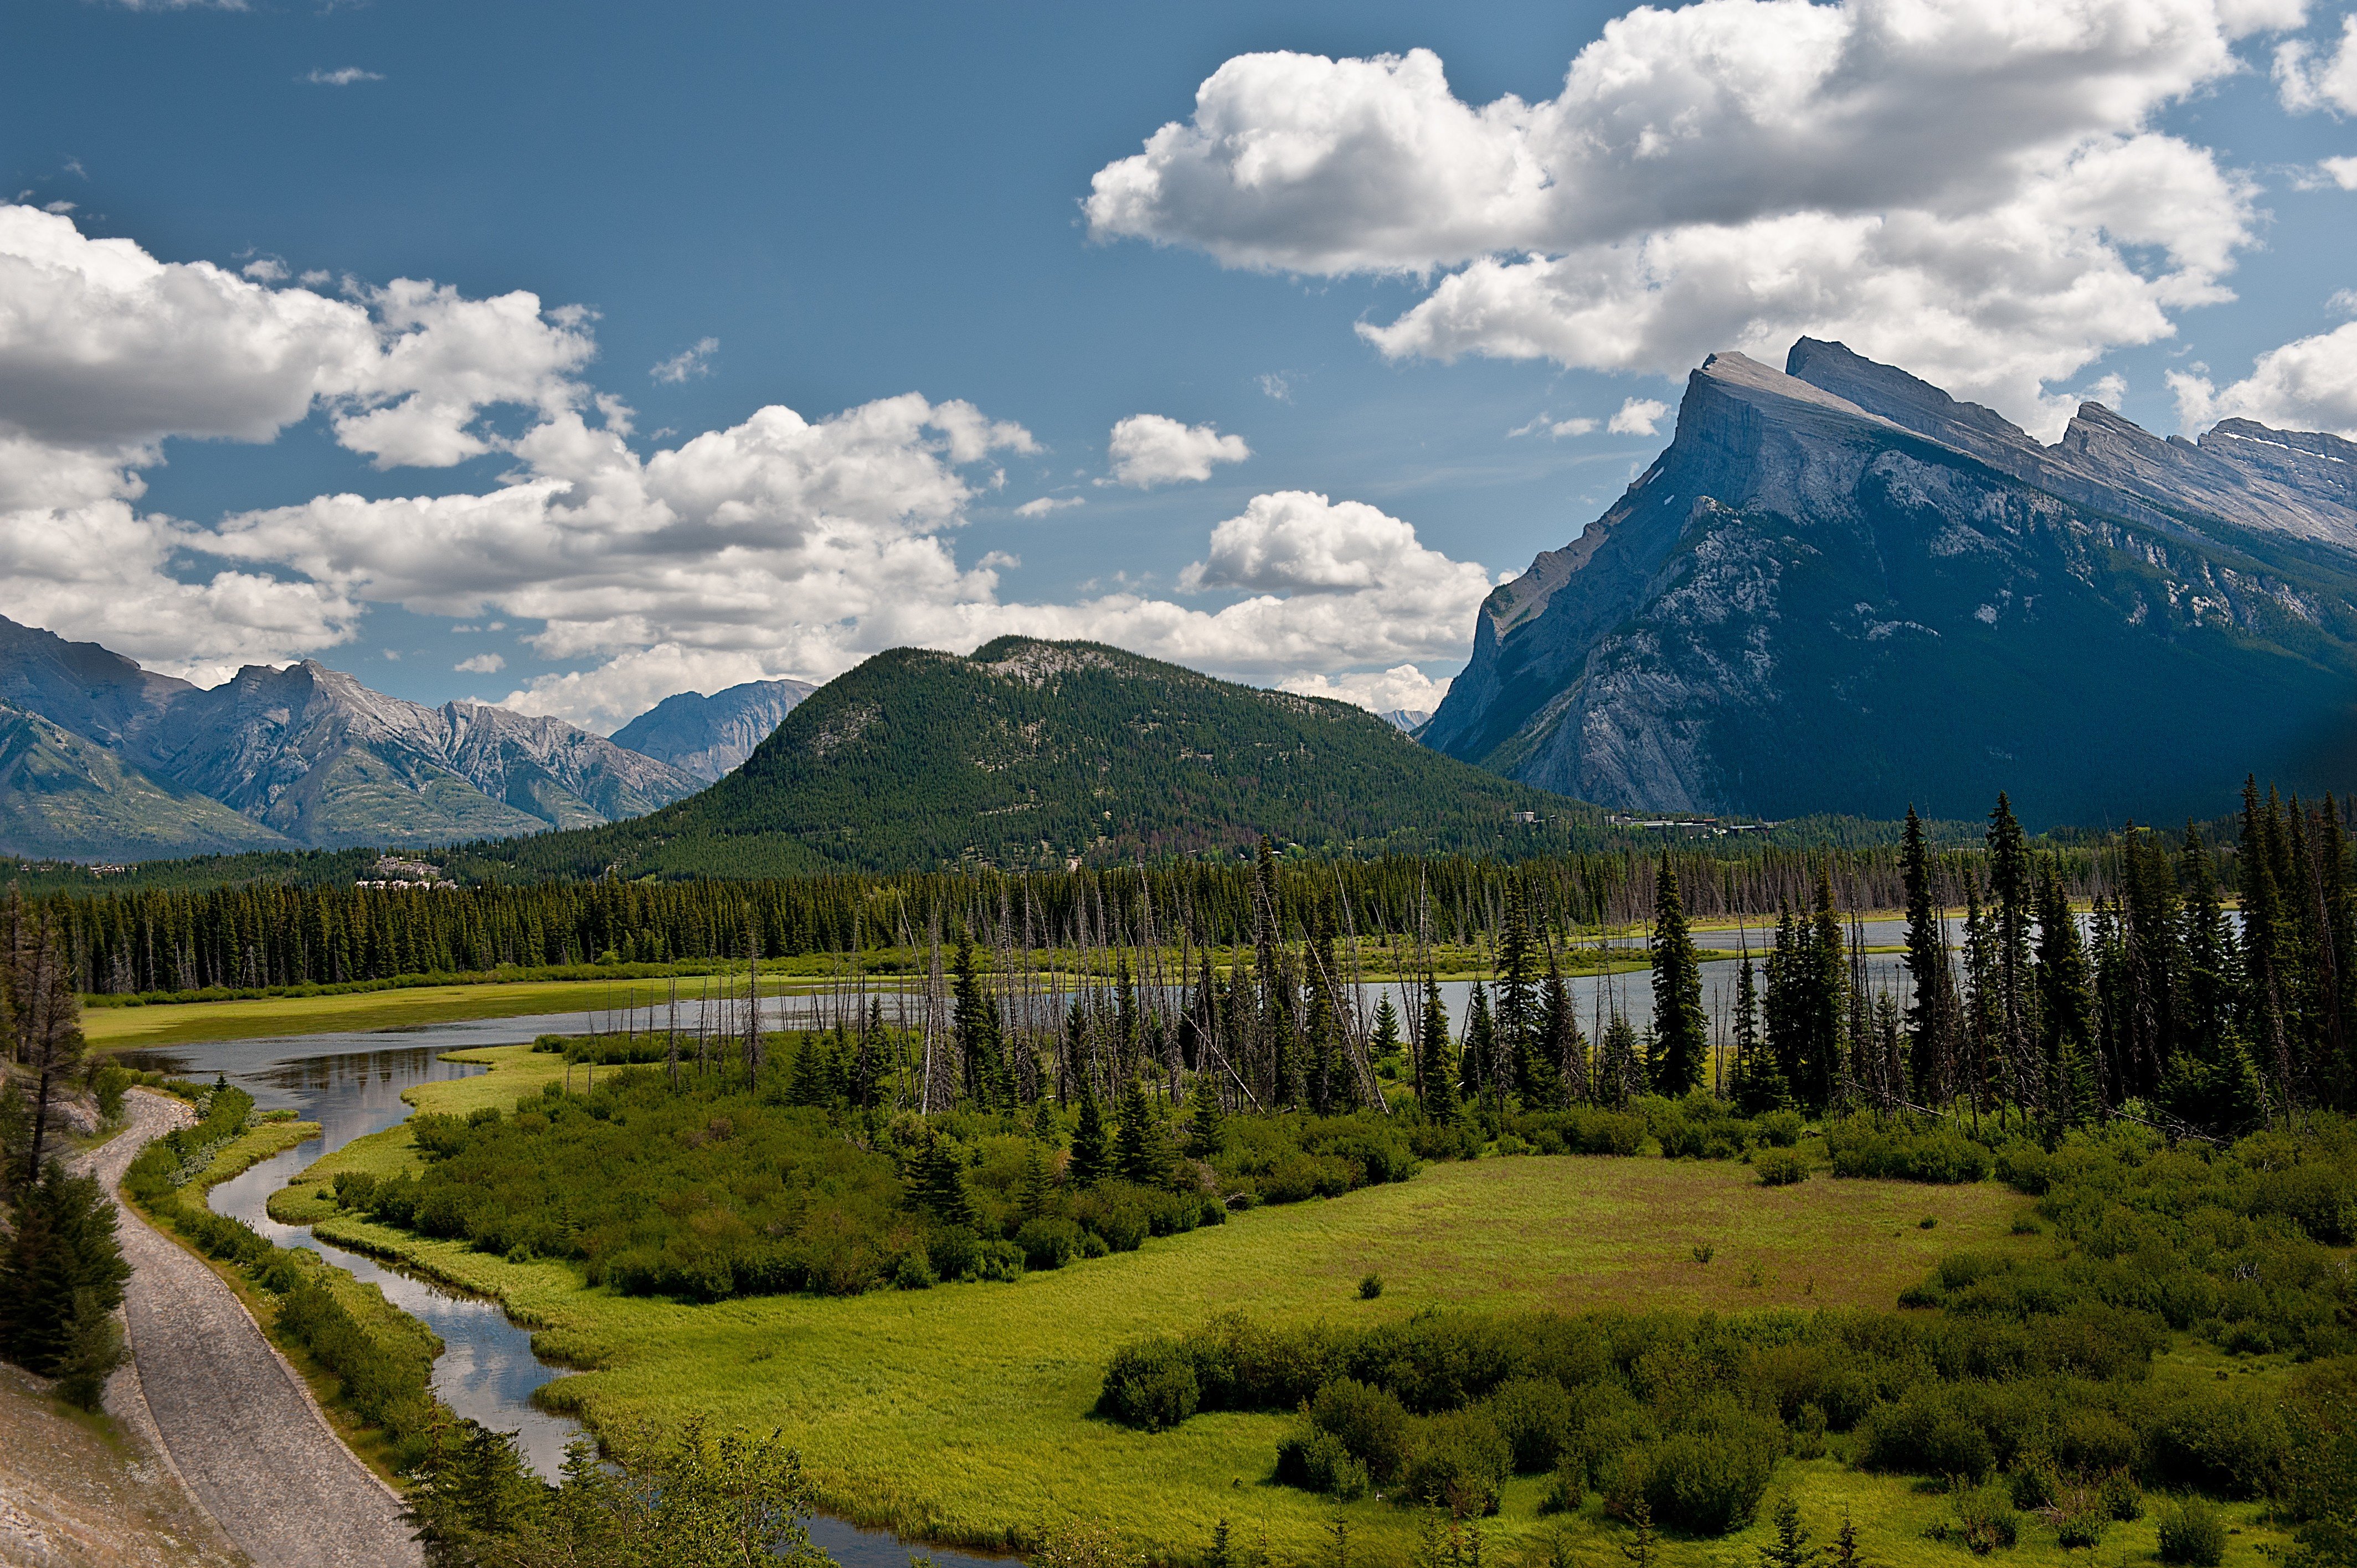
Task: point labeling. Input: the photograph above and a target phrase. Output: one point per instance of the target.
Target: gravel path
(236, 1422)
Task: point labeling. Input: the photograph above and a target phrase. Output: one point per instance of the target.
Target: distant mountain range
(1038, 754)
(708, 737)
(99, 758)
(1840, 590)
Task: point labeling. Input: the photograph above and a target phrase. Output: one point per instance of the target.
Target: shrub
(1707, 1478)
(1150, 1385)
(1779, 1129)
(2191, 1534)
(1903, 1149)
(1926, 1431)
(1985, 1520)
(1371, 1423)
(913, 1271)
(1370, 1287)
(1534, 1415)
(998, 1260)
(1047, 1244)
(954, 1253)
(2122, 1499)
(1780, 1167)
(1460, 1465)
(1318, 1461)
(2081, 1522)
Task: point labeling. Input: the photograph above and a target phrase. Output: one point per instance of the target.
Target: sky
(572, 357)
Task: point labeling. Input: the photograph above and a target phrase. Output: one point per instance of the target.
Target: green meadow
(963, 1415)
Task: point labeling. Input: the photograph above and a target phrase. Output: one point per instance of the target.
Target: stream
(351, 1085)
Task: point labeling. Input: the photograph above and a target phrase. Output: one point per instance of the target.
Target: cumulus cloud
(2306, 81)
(1046, 504)
(2342, 172)
(343, 77)
(1401, 688)
(690, 361)
(482, 664)
(2308, 384)
(1973, 190)
(1638, 417)
(1149, 449)
(105, 352)
(779, 546)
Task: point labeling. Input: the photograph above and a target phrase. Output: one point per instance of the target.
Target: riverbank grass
(962, 1414)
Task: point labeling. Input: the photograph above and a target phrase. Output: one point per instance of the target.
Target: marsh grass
(962, 1414)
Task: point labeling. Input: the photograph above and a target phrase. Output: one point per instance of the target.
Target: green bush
(1536, 1416)
(955, 1253)
(1371, 1423)
(1780, 1168)
(1047, 1244)
(1460, 1465)
(1150, 1385)
(1370, 1287)
(1985, 1520)
(2191, 1534)
(1904, 1148)
(1318, 1461)
(1708, 1477)
(2121, 1498)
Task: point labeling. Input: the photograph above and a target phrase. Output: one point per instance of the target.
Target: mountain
(707, 736)
(305, 754)
(1840, 590)
(61, 794)
(1035, 754)
(1407, 719)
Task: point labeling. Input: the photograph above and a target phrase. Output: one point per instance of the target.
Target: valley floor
(963, 1413)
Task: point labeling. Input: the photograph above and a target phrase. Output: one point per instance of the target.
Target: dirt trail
(236, 1422)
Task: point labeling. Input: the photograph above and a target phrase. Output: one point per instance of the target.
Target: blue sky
(855, 203)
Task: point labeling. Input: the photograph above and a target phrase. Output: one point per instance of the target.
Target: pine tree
(1478, 1077)
(64, 1248)
(940, 1183)
(1790, 1547)
(1207, 1131)
(1643, 1547)
(2007, 853)
(42, 1014)
(1039, 1189)
(2064, 1002)
(1436, 1093)
(1139, 1151)
(1932, 1011)
(1518, 1000)
(1385, 1041)
(1620, 1064)
(974, 1023)
(1788, 977)
(1681, 1031)
(1565, 1047)
(1826, 998)
(1091, 1159)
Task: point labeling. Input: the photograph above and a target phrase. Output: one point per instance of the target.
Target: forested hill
(1029, 754)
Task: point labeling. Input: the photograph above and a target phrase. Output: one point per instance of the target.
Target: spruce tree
(1681, 1031)
(1479, 1079)
(1790, 1547)
(2065, 999)
(2007, 853)
(1518, 997)
(1788, 978)
(1620, 1063)
(1091, 1159)
(1437, 1091)
(63, 1248)
(1931, 1013)
(1758, 1087)
(1563, 1046)
(941, 1182)
(1139, 1153)
(1824, 998)
(1207, 1128)
(1385, 1041)
(1038, 1192)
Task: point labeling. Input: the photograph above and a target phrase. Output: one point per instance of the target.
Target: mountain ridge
(308, 753)
(1851, 593)
(708, 737)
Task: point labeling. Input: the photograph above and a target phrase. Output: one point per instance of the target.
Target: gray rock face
(1840, 589)
(310, 754)
(710, 736)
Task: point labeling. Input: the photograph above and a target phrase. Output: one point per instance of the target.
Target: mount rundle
(1840, 590)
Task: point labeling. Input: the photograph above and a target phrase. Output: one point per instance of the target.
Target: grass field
(962, 1414)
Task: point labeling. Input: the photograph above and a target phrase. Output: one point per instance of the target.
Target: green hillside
(60, 794)
(1030, 754)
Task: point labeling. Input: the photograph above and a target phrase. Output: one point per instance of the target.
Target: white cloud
(2342, 172)
(2306, 82)
(693, 361)
(1555, 429)
(1402, 689)
(1638, 417)
(1046, 504)
(1970, 187)
(2308, 384)
(265, 269)
(777, 545)
(482, 664)
(343, 77)
(105, 352)
(1276, 387)
(1149, 449)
